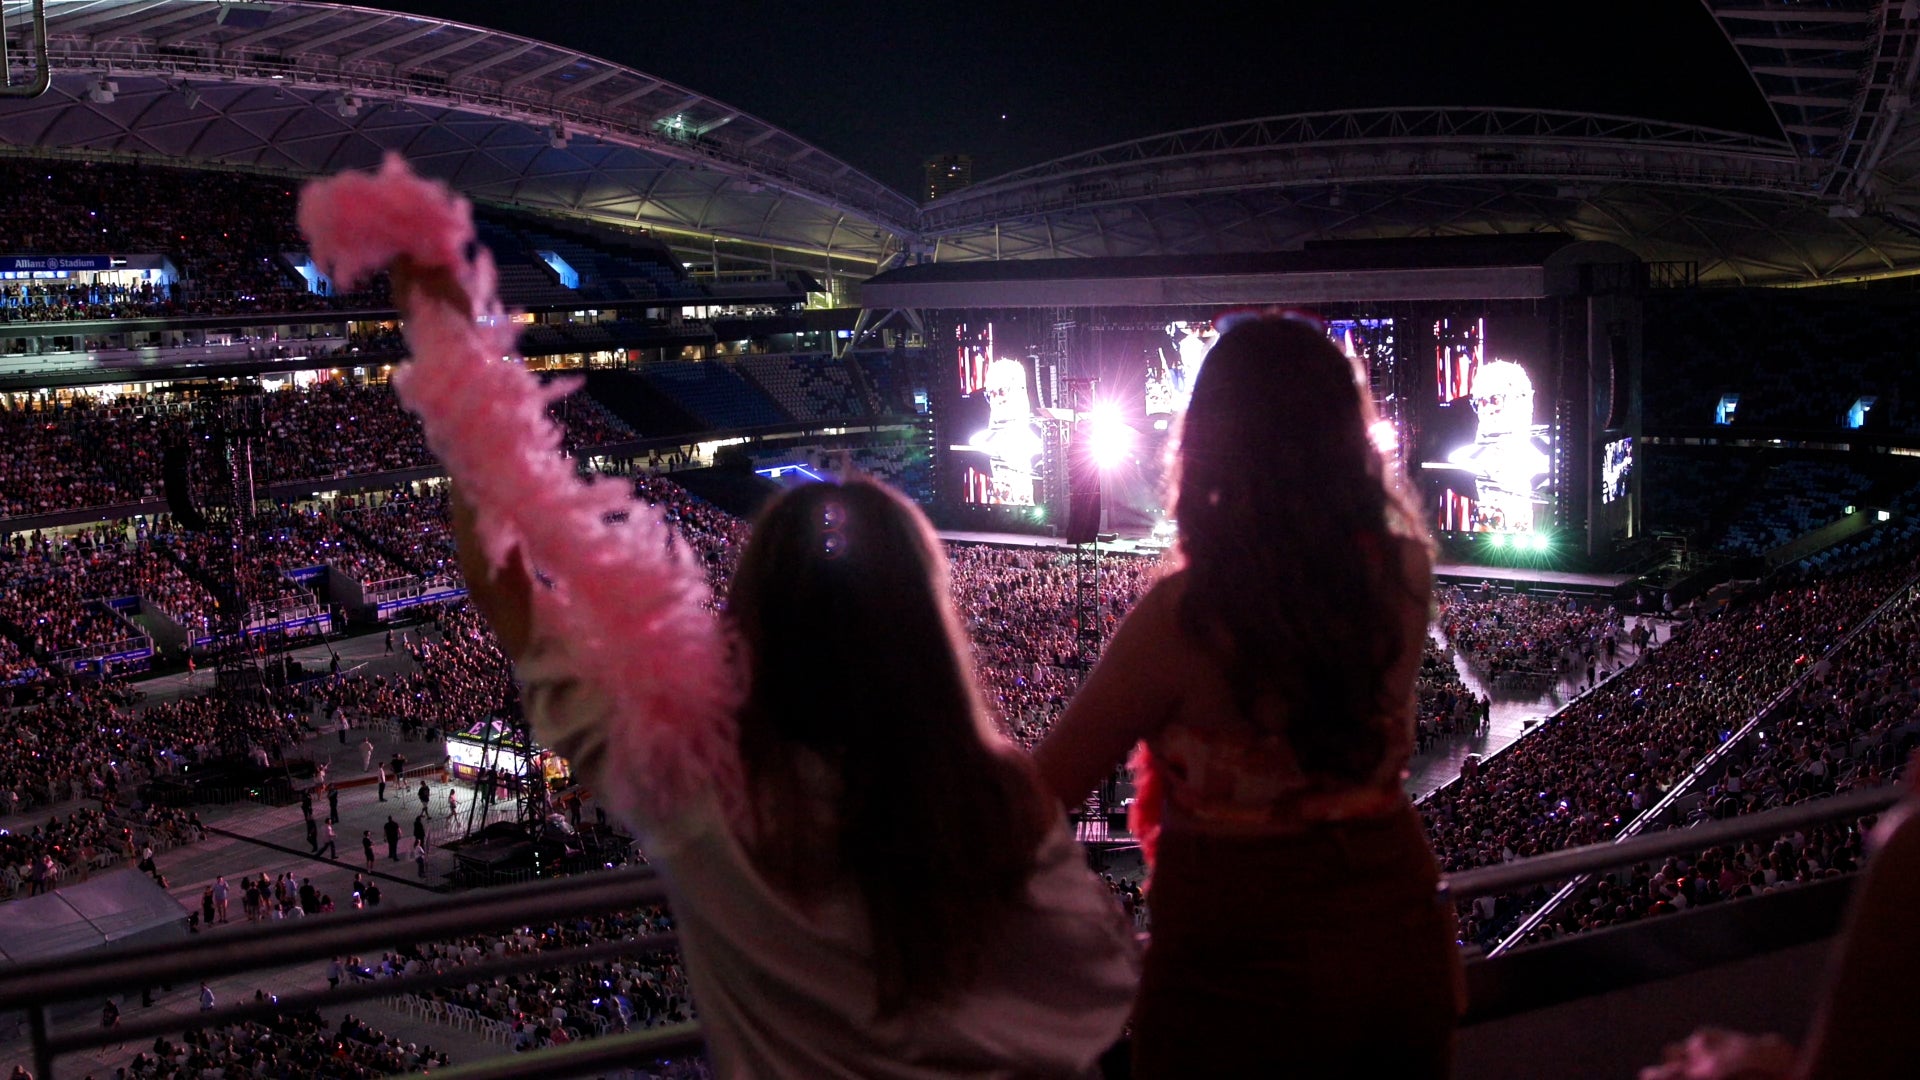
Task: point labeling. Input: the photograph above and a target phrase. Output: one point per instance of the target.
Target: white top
(788, 991)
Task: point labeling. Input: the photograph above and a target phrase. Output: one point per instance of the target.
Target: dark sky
(884, 85)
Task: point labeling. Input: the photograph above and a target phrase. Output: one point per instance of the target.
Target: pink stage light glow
(1109, 439)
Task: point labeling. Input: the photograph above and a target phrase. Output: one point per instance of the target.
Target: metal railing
(37, 987)
(43, 73)
(1576, 862)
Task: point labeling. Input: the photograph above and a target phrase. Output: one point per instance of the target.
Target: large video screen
(999, 461)
(1486, 446)
(1174, 363)
(1616, 470)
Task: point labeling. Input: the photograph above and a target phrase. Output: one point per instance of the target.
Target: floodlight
(1109, 439)
(557, 135)
(103, 91)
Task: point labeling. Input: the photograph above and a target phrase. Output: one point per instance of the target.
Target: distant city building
(948, 173)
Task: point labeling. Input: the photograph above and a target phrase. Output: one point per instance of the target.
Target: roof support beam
(385, 44)
(1837, 45)
(683, 105)
(166, 17)
(495, 60)
(448, 49)
(81, 22)
(1793, 14)
(540, 72)
(594, 79)
(1792, 71)
(638, 92)
(1811, 101)
(264, 33)
(347, 31)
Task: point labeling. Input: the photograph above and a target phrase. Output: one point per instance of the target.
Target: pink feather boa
(626, 600)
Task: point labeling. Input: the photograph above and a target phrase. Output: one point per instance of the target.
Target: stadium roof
(309, 88)
(302, 88)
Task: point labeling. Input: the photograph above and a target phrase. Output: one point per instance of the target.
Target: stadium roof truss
(1835, 197)
(302, 88)
(306, 88)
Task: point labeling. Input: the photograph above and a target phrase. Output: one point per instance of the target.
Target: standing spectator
(366, 845)
(206, 997)
(420, 828)
(383, 783)
(1294, 922)
(419, 856)
(326, 842)
(426, 796)
(453, 802)
(392, 830)
(366, 759)
(221, 892)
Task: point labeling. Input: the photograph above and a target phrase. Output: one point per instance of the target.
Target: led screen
(999, 461)
(1486, 447)
(1616, 470)
(1174, 364)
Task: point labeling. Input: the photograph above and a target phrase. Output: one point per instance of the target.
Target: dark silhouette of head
(1293, 526)
(867, 750)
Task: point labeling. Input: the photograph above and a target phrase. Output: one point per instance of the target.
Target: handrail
(1573, 862)
(35, 986)
(41, 982)
(145, 1028)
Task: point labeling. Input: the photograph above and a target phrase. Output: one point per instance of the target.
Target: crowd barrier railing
(36, 988)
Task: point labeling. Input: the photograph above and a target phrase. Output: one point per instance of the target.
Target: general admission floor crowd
(77, 758)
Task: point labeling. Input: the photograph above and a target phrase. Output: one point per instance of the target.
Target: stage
(1514, 576)
(1450, 573)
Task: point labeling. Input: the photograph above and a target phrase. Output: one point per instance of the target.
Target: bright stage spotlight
(1109, 439)
(1384, 438)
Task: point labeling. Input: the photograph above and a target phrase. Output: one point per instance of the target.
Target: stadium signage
(33, 263)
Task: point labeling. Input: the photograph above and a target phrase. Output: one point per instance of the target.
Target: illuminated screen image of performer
(1011, 440)
(1508, 459)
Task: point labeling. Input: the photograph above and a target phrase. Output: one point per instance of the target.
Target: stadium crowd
(1611, 754)
(1506, 633)
(222, 231)
(291, 1044)
(91, 452)
(1852, 724)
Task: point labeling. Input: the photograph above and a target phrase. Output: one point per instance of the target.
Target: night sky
(885, 85)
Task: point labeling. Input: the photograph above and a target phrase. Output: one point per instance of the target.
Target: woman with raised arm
(867, 881)
(1270, 684)
(903, 899)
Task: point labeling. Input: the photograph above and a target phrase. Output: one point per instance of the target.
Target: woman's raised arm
(1130, 694)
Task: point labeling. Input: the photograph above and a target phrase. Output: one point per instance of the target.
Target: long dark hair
(1293, 533)
(868, 754)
